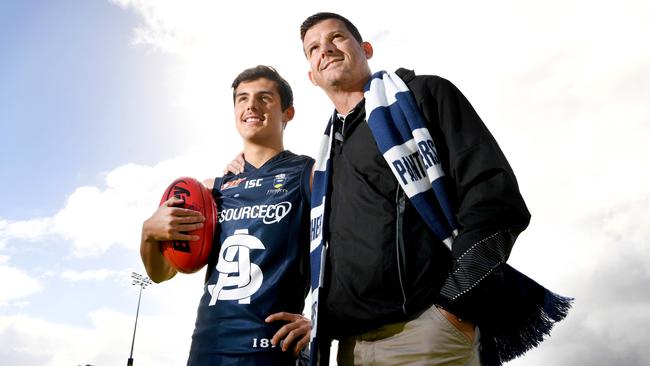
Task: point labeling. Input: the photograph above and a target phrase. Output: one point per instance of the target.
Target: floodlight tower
(143, 282)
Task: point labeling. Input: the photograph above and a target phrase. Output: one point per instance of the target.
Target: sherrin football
(191, 256)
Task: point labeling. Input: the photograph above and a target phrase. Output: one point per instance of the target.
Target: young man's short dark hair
(319, 17)
(267, 72)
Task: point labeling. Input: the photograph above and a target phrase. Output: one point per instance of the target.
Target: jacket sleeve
(513, 312)
(490, 209)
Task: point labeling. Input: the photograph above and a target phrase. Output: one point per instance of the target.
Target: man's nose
(251, 104)
(327, 48)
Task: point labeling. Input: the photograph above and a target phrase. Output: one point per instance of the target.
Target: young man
(257, 276)
(416, 209)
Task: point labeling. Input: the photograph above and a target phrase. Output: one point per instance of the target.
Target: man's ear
(311, 78)
(287, 116)
(367, 49)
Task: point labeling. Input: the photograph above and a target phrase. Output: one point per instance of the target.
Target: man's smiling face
(258, 111)
(336, 58)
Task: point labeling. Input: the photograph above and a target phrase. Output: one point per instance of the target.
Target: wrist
(147, 235)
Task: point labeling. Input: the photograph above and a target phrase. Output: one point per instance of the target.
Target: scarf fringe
(498, 348)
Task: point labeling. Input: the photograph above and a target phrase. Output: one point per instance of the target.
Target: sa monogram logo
(238, 278)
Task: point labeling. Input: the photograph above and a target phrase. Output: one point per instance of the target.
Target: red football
(191, 256)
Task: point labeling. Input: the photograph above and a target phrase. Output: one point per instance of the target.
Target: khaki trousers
(430, 339)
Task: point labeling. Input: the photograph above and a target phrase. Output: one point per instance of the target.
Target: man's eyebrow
(264, 92)
(311, 43)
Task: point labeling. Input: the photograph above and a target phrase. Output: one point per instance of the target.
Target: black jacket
(384, 263)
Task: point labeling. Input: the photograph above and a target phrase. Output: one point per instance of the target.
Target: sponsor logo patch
(270, 214)
(278, 182)
(232, 183)
(253, 183)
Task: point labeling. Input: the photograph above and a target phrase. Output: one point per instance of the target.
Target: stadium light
(143, 281)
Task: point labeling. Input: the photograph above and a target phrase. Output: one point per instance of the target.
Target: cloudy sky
(104, 102)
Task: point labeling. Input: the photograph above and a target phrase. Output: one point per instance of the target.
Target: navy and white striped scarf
(403, 139)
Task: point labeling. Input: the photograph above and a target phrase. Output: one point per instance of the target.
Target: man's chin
(334, 79)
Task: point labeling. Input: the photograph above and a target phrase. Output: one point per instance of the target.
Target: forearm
(158, 269)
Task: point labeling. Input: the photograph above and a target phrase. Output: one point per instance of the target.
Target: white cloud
(15, 284)
(28, 229)
(97, 218)
(35, 341)
(604, 265)
(163, 333)
(90, 275)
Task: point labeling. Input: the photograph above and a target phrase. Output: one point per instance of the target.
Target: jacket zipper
(399, 243)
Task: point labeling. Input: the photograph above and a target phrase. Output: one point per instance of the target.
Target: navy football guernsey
(261, 265)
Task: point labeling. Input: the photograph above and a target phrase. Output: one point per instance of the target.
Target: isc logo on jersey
(253, 183)
(270, 214)
(239, 278)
